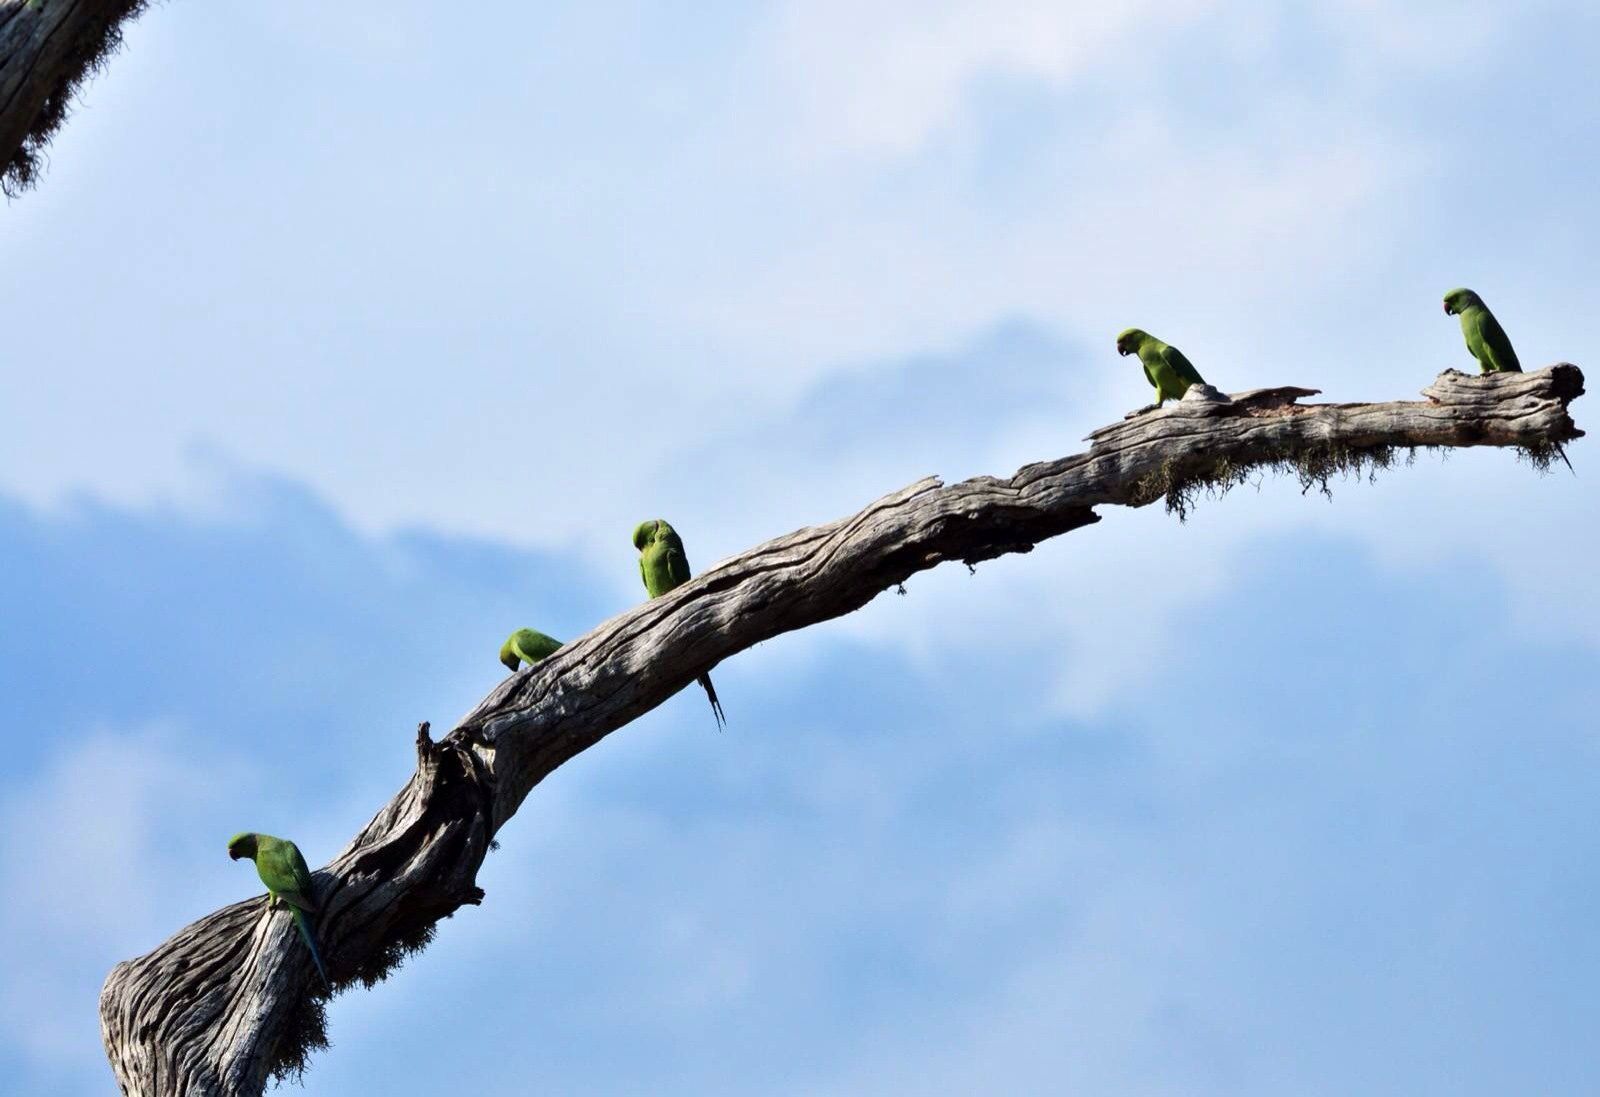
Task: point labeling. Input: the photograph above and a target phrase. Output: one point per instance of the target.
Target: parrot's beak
(234, 855)
(1447, 308)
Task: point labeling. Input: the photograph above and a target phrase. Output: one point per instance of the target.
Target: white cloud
(882, 79)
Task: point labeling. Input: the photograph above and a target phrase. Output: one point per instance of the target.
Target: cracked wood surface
(211, 1010)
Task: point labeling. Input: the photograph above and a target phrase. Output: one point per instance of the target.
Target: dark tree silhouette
(47, 49)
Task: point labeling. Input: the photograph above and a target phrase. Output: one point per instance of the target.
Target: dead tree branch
(47, 49)
(229, 1000)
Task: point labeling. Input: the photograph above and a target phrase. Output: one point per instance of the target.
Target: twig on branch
(231, 1000)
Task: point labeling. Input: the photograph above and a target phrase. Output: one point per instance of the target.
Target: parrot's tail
(304, 924)
(716, 705)
(1563, 454)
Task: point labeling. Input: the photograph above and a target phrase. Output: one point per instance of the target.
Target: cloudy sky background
(343, 344)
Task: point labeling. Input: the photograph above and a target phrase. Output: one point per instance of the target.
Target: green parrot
(284, 871)
(1166, 367)
(1486, 339)
(663, 566)
(527, 645)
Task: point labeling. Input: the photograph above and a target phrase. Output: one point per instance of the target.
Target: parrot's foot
(1142, 411)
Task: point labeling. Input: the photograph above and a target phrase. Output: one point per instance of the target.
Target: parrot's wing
(1497, 343)
(299, 900)
(1181, 365)
(284, 871)
(535, 645)
(643, 578)
(302, 879)
(677, 566)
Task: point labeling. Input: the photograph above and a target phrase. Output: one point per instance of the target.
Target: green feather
(288, 879)
(302, 922)
(1486, 339)
(1165, 366)
(527, 645)
(664, 566)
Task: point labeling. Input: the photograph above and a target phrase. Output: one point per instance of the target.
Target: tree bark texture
(47, 48)
(232, 999)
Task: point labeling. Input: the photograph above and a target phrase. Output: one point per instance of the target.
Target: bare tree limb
(229, 1000)
(47, 49)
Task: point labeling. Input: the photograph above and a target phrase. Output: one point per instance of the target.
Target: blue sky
(337, 356)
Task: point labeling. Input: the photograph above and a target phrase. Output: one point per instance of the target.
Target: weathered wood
(47, 48)
(214, 1009)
